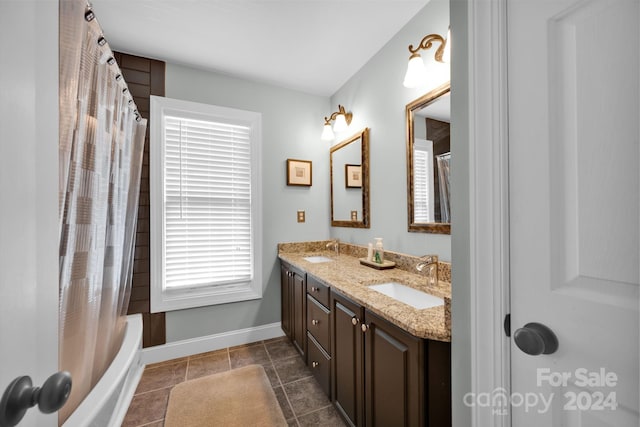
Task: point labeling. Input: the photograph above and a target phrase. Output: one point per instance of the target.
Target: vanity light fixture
(342, 120)
(416, 71)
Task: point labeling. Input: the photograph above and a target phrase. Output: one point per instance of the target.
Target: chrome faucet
(430, 262)
(335, 245)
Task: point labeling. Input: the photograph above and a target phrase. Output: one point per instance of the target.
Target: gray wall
(291, 127)
(292, 123)
(376, 97)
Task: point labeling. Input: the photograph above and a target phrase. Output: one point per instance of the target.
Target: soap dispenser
(378, 255)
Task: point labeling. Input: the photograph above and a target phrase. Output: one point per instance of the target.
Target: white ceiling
(313, 46)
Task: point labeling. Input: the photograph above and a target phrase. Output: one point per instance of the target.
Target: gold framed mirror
(428, 158)
(349, 174)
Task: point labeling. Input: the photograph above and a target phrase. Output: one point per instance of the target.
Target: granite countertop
(349, 277)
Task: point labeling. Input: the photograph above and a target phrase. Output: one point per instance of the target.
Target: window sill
(192, 298)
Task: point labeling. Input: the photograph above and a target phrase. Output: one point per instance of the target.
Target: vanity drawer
(319, 363)
(318, 290)
(318, 322)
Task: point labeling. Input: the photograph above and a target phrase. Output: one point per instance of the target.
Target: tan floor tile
(291, 369)
(302, 401)
(280, 349)
(166, 362)
(243, 356)
(146, 408)
(162, 376)
(306, 396)
(327, 416)
(284, 403)
(272, 375)
(209, 353)
(207, 365)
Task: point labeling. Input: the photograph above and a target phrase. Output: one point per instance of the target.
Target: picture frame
(299, 172)
(353, 176)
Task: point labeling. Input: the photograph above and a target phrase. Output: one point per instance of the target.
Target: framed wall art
(299, 172)
(353, 175)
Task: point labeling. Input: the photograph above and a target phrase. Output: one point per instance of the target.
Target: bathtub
(109, 400)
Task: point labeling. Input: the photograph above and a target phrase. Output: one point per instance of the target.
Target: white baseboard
(193, 346)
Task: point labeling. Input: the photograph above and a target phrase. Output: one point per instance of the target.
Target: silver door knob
(536, 338)
(315, 322)
(21, 395)
(354, 321)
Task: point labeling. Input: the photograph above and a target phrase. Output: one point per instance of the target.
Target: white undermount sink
(317, 259)
(407, 295)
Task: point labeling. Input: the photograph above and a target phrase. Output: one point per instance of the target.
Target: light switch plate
(300, 216)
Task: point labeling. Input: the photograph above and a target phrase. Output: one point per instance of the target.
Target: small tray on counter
(385, 264)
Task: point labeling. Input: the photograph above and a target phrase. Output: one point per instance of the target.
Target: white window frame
(162, 299)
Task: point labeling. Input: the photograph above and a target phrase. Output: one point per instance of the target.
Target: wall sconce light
(416, 72)
(342, 120)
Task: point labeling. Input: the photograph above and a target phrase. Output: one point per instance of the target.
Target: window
(205, 205)
(423, 200)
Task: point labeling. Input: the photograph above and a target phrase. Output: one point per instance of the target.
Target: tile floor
(302, 401)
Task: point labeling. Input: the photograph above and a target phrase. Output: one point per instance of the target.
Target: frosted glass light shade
(416, 72)
(446, 55)
(327, 133)
(341, 123)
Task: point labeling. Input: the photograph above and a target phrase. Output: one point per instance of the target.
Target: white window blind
(205, 204)
(207, 190)
(423, 181)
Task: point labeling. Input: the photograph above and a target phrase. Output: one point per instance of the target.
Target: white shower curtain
(101, 146)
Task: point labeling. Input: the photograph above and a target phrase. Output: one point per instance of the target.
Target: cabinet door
(438, 382)
(394, 375)
(299, 307)
(285, 300)
(347, 358)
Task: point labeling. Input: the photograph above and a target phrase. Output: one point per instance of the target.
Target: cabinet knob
(364, 327)
(314, 364)
(315, 322)
(314, 289)
(354, 320)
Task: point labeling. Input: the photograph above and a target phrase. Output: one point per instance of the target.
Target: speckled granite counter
(349, 277)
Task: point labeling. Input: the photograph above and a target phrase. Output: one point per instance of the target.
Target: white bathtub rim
(103, 391)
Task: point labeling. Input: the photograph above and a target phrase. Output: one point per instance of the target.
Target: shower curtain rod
(107, 56)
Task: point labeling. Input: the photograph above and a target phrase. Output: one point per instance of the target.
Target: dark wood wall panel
(144, 77)
(440, 133)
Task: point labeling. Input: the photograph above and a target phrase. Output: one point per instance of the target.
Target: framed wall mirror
(349, 165)
(428, 157)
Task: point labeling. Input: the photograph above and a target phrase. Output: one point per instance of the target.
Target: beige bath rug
(240, 397)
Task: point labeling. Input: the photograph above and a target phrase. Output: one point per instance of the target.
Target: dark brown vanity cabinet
(381, 373)
(347, 389)
(294, 306)
(375, 373)
(319, 332)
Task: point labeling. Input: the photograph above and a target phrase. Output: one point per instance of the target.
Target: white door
(29, 195)
(574, 208)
